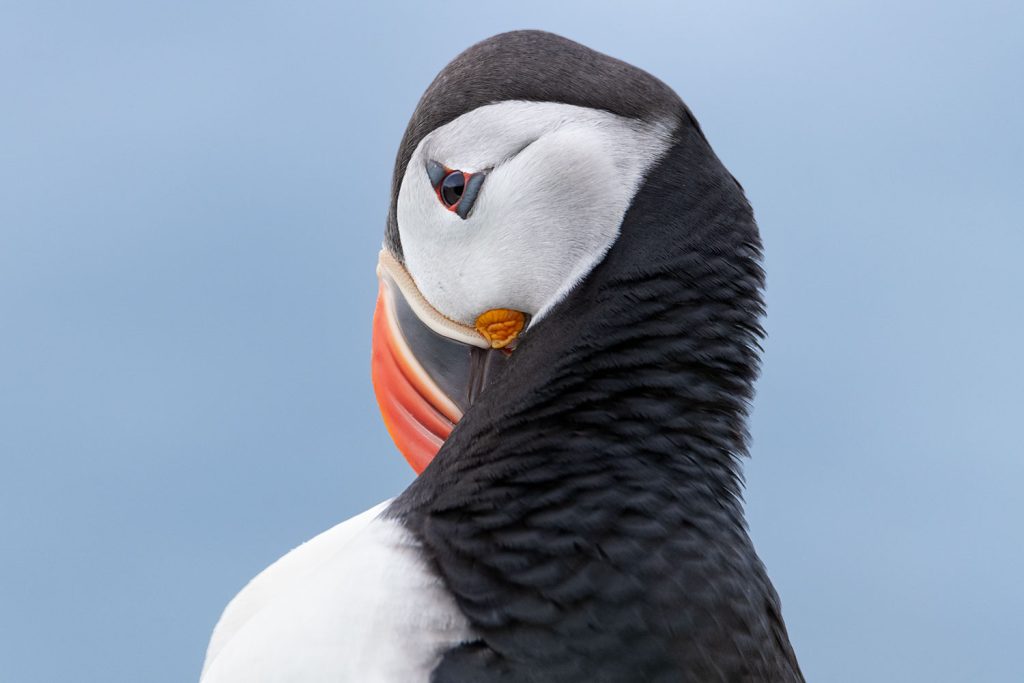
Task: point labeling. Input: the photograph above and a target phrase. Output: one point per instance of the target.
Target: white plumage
(356, 603)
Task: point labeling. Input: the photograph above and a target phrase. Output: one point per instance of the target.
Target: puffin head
(510, 186)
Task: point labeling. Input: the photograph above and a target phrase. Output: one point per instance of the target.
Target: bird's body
(582, 521)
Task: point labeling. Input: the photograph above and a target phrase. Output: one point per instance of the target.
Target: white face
(559, 181)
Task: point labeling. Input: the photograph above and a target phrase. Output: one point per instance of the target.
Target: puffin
(565, 345)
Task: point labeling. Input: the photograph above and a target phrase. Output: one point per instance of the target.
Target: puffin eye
(452, 187)
(456, 190)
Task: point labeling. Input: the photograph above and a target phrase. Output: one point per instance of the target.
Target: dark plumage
(585, 513)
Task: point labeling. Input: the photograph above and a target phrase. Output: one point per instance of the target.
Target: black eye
(452, 187)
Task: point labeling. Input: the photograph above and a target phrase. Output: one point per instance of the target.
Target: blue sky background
(192, 196)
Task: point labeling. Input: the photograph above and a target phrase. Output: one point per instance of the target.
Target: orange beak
(427, 369)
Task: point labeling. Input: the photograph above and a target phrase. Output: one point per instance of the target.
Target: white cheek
(547, 213)
(433, 260)
(543, 219)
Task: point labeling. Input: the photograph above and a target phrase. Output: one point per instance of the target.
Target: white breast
(355, 604)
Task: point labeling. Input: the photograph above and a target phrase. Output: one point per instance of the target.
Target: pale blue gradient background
(192, 196)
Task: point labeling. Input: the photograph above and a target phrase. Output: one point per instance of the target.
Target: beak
(428, 369)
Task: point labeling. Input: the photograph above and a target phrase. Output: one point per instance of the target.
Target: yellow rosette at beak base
(500, 326)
